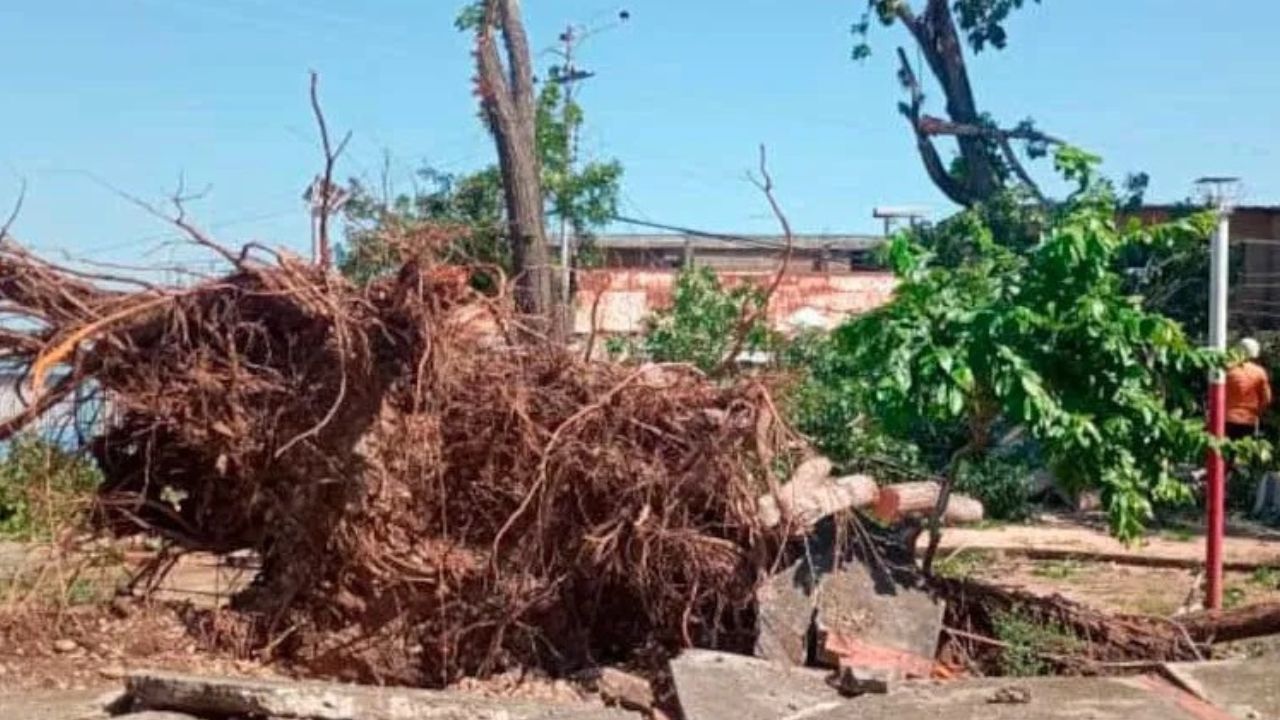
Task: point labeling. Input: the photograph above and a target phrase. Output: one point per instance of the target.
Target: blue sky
(140, 92)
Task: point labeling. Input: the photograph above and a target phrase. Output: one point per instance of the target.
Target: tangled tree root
(434, 490)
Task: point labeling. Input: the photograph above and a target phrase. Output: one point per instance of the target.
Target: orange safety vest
(1248, 393)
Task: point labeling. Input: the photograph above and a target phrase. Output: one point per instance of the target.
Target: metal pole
(1215, 496)
(566, 110)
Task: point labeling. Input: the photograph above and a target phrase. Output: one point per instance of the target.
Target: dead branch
(933, 164)
(179, 220)
(748, 315)
(14, 212)
(322, 254)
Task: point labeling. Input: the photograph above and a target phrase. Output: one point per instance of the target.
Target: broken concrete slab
(879, 612)
(722, 686)
(1020, 699)
(333, 701)
(1245, 689)
(833, 594)
(785, 609)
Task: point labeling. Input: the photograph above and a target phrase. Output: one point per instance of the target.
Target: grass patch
(1266, 577)
(962, 563)
(1058, 569)
(1233, 597)
(1028, 643)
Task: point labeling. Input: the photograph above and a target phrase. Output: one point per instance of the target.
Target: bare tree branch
(933, 164)
(1015, 164)
(748, 315)
(930, 125)
(193, 232)
(323, 251)
(13, 214)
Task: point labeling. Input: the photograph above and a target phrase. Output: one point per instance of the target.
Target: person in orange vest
(1248, 393)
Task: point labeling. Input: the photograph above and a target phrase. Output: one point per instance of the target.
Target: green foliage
(470, 16)
(982, 22)
(1038, 334)
(1266, 577)
(1028, 642)
(1000, 483)
(705, 320)
(43, 488)
(963, 564)
(473, 204)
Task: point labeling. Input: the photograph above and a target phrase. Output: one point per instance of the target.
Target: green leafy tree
(705, 323)
(585, 195)
(379, 230)
(1041, 335)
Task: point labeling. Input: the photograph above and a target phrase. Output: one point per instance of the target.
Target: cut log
(963, 510)
(807, 500)
(811, 470)
(903, 499)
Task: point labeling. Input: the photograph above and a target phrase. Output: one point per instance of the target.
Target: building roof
(676, 241)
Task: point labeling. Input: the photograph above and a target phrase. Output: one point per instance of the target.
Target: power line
(770, 244)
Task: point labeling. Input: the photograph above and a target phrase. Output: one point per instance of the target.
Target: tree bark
(935, 33)
(509, 106)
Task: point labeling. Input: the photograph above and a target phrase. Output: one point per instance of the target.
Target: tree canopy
(1028, 325)
(585, 194)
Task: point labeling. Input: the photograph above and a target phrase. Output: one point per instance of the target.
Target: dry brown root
(1077, 639)
(435, 491)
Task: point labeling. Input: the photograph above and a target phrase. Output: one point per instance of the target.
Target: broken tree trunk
(507, 99)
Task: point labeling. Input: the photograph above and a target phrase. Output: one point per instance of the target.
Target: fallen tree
(435, 491)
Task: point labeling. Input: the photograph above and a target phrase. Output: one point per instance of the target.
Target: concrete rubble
(831, 609)
(719, 686)
(709, 686)
(221, 697)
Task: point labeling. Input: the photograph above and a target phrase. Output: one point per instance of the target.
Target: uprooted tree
(433, 493)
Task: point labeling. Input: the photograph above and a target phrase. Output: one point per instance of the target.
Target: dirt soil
(1111, 586)
(95, 646)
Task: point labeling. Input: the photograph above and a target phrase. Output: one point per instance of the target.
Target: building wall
(1255, 246)
(622, 298)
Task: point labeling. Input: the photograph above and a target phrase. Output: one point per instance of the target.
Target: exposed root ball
(435, 492)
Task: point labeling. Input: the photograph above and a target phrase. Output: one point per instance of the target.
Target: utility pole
(1220, 192)
(567, 76)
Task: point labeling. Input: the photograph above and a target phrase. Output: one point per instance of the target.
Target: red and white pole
(1215, 496)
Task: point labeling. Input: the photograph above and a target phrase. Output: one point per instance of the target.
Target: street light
(1219, 193)
(913, 215)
